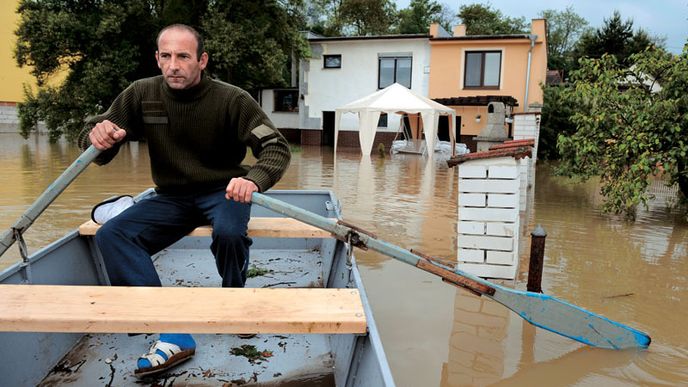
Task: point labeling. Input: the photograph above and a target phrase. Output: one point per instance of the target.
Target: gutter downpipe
(532, 38)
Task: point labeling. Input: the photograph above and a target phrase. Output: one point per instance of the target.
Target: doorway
(327, 128)
(443, 128)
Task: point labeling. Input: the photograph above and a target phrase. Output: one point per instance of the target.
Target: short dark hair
(199, 39)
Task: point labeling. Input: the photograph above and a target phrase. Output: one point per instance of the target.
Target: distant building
(341, 70)
(463, 72)
(554, 77)
(467, 72)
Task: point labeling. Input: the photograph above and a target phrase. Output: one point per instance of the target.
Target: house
(469, 72)
(341, 70)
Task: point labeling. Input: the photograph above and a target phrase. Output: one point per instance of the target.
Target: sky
(664, 18)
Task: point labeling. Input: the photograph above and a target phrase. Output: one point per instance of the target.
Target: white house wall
(327, 89)
(280, 119)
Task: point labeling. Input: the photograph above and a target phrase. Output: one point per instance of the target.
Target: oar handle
(48, 196)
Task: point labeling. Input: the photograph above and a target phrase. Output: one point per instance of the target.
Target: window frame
(277, 92)
(396, 68)
(328, 56)
(482, 85)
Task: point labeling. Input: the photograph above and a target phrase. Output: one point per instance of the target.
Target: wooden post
(537, 255)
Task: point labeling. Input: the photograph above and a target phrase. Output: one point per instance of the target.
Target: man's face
(177, 59)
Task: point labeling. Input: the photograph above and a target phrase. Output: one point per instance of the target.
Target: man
(197, 130)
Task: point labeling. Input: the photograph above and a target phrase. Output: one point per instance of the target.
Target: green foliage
(255, 271)
(374, 17)
(483, 20)
(563, 30)
(556, 119)
(251, 353)
(250, 44)
(322, 17)
(104, 45)
(367, 17)
(626, 132)
(416, 19)
(100, 45)
(615, 37)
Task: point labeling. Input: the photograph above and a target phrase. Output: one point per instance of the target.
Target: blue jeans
(127, 241)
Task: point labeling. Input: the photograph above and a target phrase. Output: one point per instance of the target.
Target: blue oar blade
(569, 320)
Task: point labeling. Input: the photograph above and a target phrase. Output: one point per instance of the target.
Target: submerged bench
(118, 309)
(258, 227)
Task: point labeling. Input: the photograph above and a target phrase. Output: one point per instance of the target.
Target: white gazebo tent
(395, 99)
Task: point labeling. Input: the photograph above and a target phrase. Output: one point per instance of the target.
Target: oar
(540, 310)
(47, 197)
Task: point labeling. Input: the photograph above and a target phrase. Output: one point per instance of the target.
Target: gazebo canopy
(394, 99)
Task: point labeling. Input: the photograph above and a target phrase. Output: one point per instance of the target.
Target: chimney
(459, 30)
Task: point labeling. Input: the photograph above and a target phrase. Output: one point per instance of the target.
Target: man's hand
(106, 134)
(240, 190)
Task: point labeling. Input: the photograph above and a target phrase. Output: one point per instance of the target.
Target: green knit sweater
(197, 137)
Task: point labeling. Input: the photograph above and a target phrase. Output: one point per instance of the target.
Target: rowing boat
(63, 341)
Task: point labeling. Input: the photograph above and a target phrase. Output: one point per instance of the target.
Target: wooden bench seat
(258, 227)
(110, 309)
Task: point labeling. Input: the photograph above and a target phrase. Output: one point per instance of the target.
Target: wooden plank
(258, 227)
(118, 309)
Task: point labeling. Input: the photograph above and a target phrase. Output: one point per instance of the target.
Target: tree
(416, 19)
(104, 45)
(615, 37)
(564, 28)
(367, 17)
(322, 17)
(555, 120)
(99, 44)
(625, 130)
(252, 44)
(483, 20)
(447, 18)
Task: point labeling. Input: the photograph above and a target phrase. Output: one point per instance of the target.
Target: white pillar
(488, 226)
(527, 126)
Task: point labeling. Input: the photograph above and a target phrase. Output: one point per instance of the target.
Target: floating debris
(251, 353)
(255, 271)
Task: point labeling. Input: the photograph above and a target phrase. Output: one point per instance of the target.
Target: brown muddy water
(433, 333)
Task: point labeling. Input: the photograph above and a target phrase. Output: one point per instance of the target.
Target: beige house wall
(447, 58)
(12, 77)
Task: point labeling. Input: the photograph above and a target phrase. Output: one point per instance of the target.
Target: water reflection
(434, 334)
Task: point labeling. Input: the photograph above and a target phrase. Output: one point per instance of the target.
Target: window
(394, 69)
(286, 100)
(482, 69)
(382, 121)
(332, 61)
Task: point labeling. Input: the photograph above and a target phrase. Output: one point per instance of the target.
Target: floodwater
(435, 334)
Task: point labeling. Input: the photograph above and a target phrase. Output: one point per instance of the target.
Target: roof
(372, 37)
(477, 100)
(483, 37)
(554, 77)
(514, 144)
(395, 98)
(517, 149)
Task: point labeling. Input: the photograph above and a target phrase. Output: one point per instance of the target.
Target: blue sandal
(162, 356)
